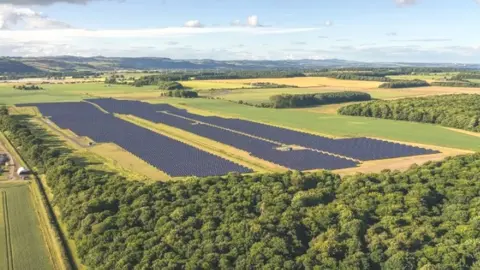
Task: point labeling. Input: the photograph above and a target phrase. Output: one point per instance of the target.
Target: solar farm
(290, 149)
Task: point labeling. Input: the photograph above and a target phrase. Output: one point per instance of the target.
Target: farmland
(21, 242)
(305, 82)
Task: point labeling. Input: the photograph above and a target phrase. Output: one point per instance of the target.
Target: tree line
(404, 84)
(424, 218)
(27, 87)
(456, 84)
(456, 111)
(220, 75)
(357, 76)
(180, 94)
(306, 100)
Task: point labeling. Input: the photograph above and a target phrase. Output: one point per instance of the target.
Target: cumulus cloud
(193, 24)
(253, 21)
(12, 17)
(406, 2)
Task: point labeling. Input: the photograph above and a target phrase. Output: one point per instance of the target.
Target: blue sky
(368, 30)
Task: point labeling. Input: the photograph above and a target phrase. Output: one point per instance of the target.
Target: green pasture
(257, 96)
(68, 92)
(338, 125)
(21, 242)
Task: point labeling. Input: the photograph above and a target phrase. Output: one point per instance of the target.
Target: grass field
(338, 125)
(257, 96)
(307, 82)
(21, 242)
(70, 92)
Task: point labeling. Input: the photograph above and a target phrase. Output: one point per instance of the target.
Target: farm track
(8, 239)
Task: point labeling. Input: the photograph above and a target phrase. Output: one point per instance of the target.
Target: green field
(70, 92)
(21, 242)
(257, 96)
(338, 125)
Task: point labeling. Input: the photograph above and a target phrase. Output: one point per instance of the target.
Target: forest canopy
(404, 84)
(424, 218)
(306, 100)
(456, 111)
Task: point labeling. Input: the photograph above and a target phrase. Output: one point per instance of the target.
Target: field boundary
(58, 240)
(8, 239)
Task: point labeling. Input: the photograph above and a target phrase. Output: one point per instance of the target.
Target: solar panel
(171, 156)
(356, 148)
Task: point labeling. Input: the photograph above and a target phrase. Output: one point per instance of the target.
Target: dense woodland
(425, 218)
(456, 111)
(180, 94)
(170, 86)
(404, 84)
(306, 100)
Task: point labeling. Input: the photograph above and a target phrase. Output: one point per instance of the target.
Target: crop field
(335, 125)
(21, 243)
(307, 82)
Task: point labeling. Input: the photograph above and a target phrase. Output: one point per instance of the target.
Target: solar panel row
(297, 160)
(171, 156)
(357, 148)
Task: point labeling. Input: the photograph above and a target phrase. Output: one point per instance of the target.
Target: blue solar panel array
(357, 148)
(297, 160)
(171, 156)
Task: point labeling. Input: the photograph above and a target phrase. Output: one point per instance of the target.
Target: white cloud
(407, 2)
(328, 23)
(12, 17)
(193, 24)
(253, 21)
(43, 2)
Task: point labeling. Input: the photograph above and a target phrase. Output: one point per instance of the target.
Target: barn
(23, 172)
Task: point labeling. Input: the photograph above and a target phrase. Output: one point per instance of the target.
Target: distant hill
(100, 63)
(13, 66)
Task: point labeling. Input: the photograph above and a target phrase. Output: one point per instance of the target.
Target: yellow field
(307, 82)
(206, 85)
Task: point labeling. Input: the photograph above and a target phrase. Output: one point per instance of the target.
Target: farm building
(23, 172)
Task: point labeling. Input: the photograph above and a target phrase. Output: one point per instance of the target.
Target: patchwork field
(306, 82)
(21, 242)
